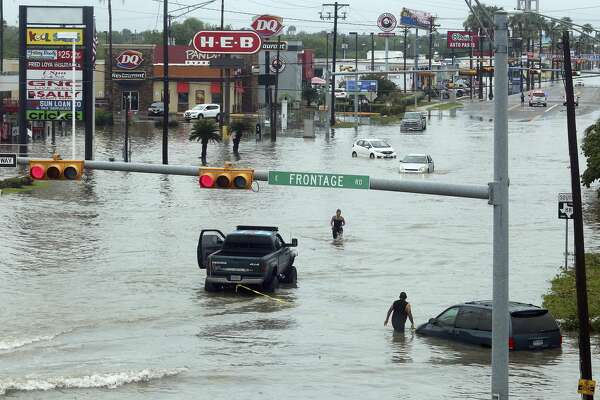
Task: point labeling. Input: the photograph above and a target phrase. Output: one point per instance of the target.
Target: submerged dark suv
(531, 327)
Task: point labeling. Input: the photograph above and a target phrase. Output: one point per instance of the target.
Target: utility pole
(540, 56)
(373, 52)
(500, 267)
(404, 56)
(479, 65)
(166, 97)
(585, 359)
(491, 73)
(327, 76)
(430, 57)
(221, 86)
(356, 88)
(275, 104)
(336, 8)
(1, 36)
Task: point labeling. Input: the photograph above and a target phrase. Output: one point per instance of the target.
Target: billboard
(48, 85)
(461, 40)
(415, 18)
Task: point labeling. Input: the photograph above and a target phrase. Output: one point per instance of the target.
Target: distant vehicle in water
(201, 111)
(579, 82)
(530, 327)
(575, 100)
(373, 148)
(413, 121)
(417, 163)
(538, 98)
(156, 109)
(251, 255)
(341, 94)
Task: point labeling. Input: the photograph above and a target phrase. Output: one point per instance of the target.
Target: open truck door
(210, 241)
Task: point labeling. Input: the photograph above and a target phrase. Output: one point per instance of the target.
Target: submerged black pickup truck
(251, 255)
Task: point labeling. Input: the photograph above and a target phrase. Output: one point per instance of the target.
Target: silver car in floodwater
(416, 163)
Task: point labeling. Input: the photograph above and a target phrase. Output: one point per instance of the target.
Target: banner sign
(52, 65)
(53, 54)
(63, 105)
(56, 115)
(52, 94)
(54, 75)
(363, 86)
(461, 40)
(51, 37)
(415, 18)
(128, 75)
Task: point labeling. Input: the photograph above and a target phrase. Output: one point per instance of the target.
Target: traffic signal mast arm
(393, 185)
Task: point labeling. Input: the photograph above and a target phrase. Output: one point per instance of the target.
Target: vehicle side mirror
(294, 243)
(433, 321)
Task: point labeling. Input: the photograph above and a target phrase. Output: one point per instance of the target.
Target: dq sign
(267, 25)
(461, 39)
(227, 42)
(129, 59)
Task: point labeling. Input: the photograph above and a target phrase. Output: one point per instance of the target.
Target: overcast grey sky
(139, 15)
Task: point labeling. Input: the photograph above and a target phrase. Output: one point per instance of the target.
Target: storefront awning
(215, 88)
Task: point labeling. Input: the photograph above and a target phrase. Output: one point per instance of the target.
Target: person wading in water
(401, 310)
(337, 222)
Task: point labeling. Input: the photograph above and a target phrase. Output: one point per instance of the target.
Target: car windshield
(379, 144)
(415, 159)
(534, 322)
(156, 105)
(412, 115)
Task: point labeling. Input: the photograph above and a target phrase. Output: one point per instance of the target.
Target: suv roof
(513, 306)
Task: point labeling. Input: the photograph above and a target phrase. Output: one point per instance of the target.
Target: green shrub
(561, 299)
(103, 118)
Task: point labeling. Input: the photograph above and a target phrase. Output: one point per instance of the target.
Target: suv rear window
(535, 321)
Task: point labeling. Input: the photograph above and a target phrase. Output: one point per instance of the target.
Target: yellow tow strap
(262, 294)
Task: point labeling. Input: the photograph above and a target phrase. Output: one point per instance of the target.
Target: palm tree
(238, 127)
(204, 131)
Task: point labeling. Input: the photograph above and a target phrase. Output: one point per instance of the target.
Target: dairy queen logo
(129, 59)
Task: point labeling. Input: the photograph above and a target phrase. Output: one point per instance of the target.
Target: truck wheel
(209, 286)
(291, 276)
(271, 285)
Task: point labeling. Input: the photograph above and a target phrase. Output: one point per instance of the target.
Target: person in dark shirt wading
(401, 310)
(337, 222)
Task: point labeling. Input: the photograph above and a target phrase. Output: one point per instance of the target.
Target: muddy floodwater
(102, 297)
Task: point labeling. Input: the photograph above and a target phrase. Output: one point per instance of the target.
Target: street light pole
(355, 77)
(166, 96)
(73, 108)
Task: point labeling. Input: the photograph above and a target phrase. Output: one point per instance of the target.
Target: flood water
(102, 297)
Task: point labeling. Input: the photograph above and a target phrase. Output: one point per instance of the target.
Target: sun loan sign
(316, 179)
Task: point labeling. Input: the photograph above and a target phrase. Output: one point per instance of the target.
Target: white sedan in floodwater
(416, 163)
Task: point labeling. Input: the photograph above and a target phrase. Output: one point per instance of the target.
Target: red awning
(215, 87)
(183, 87)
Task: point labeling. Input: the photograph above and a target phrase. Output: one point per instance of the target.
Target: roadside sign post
(8, 160)
(565, 211)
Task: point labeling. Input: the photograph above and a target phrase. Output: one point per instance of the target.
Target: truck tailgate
(224, 265)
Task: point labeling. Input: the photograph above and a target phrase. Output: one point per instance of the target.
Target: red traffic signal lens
(70, 172)
(240, 182)
(223, 181)
(206, 181)
(37, 172)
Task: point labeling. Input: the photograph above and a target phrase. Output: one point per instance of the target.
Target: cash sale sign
(227, 42)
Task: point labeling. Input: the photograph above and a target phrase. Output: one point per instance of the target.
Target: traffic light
(226, 178)
(55, 169)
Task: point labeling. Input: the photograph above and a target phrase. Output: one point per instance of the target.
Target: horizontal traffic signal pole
(473, 191)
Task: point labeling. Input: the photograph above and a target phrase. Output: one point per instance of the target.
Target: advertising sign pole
(386, 54)
(73, 110)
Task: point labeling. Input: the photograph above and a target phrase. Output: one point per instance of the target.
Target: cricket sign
(387, 22)
(267, 25)
(415, 18)
(461, 39)
(227, 42)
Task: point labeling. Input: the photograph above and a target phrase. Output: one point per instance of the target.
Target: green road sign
(316, 179)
